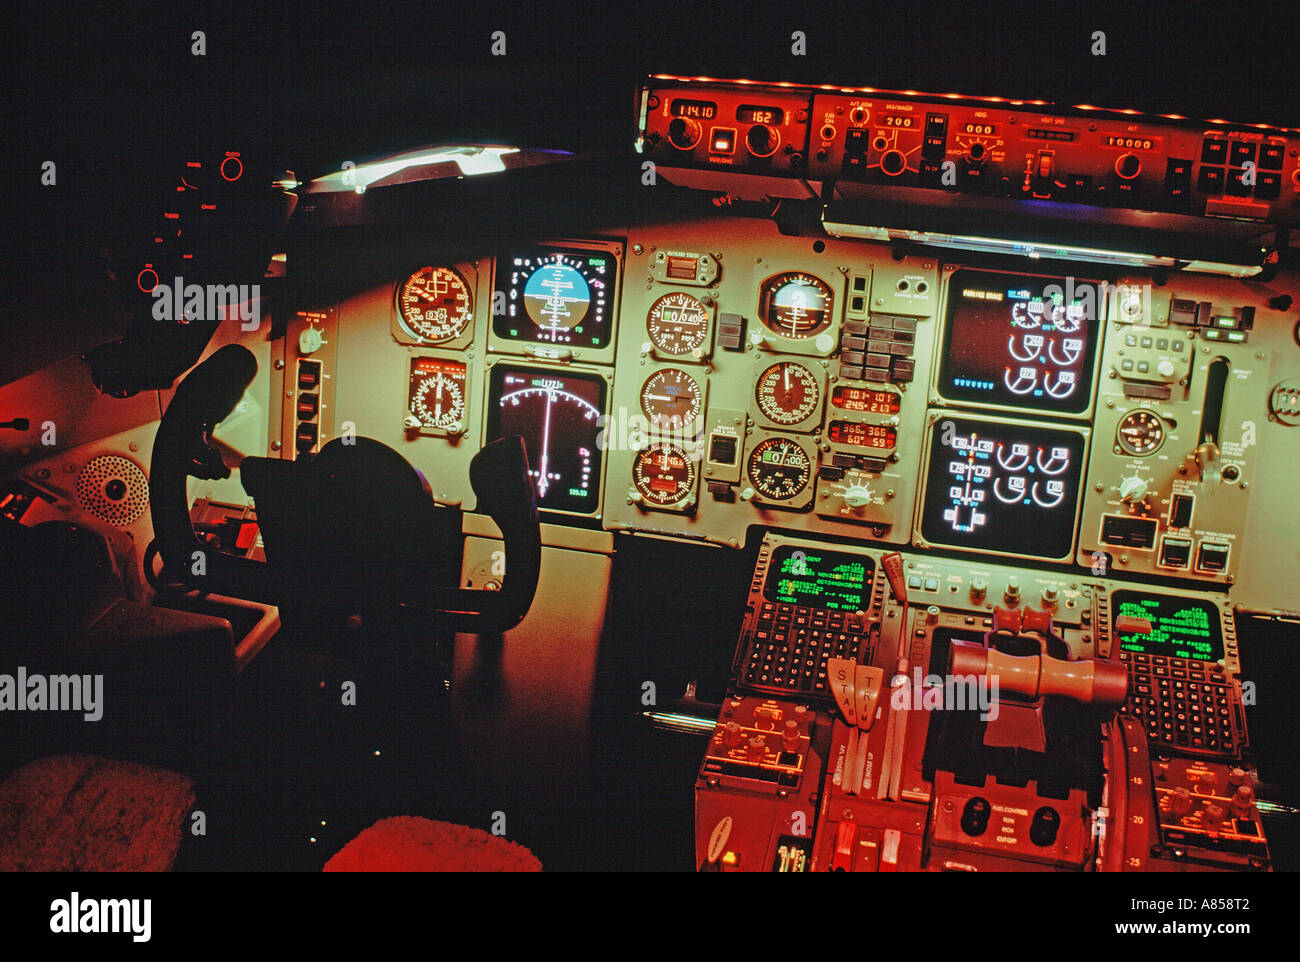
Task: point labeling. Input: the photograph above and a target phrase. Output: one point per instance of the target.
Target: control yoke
(182, 448)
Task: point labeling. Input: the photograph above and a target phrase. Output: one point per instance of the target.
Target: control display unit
(1003, 487)
(1179, 627)
(1021, 341)
(816, 578)
(558, 415)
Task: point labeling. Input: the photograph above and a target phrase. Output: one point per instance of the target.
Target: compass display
(1011, 488)
(1021, 341)
(557, 413)
(663, 474)
(556, 296)
(678, 324)
(796, 304)
(434, 304)
(437, 394)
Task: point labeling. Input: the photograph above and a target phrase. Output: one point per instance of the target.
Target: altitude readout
(671, 399)
(434, 304)
(678, 324)
(663, 474)
(437, 393)
(865, 400)
(779, 468)
(787, 393)
(558, 415)
(555, 296)
(1140, 433)
(859, 435)
(796, 304)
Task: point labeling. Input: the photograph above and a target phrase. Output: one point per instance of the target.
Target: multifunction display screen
(558, 415)
(815, 578)
(1013, 488)
(553, 295)
(1021, 341)
(1180, 627)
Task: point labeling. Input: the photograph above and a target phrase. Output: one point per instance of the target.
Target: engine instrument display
(558, 414)
(816, 578)
(436, 397)
(664, 474)
(434, 304)
(1022, 341)
(796, 304)
(1002, 487)
(1140, 433)
(787, 393)
(557, 296)
(856, 434)
(671, 399)
(1180, 627)
(779, 468)
(678, 324)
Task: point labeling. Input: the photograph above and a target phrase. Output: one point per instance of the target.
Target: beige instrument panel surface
(738, 377)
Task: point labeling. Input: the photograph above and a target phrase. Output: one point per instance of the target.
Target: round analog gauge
(663, 474)
(1140, 433)
(434, 304)
(796, 304)
(678, 324)
(437, 393)
(671, 399)
(779, 468)
(787, 393)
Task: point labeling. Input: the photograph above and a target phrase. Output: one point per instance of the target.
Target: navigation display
(558, 414)
(1180, 627)
(814, 578)
(1021, 341)
(1010, 488)
(556, 296)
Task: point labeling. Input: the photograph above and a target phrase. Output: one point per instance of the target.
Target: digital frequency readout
(1021, 341)
(1180, 627)
(818, 579)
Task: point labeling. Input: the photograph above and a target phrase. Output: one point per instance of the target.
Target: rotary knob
(411, 423)
(1012, 593)
(1165, 368)
(310, 341)
(756, 746)
(857, 496)
(1237, 776)
(1132, 489)
(684, 133)
(790, 736)
(762, 140)
(1181, 802)
(893, 162)
(979, 588)
(1243, 802)
(731, 735)
(1049, 597)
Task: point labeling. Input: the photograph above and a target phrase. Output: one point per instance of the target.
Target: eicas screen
(1021, 341)
(1011, 488)
(558, 415)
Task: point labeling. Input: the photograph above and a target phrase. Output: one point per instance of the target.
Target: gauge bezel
(690, 430)
(822, 344)
(687, 501)
(796, 502)
(428, 430)
(765, 362)
(401, 329)
(1119, 433)
(696, 354)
